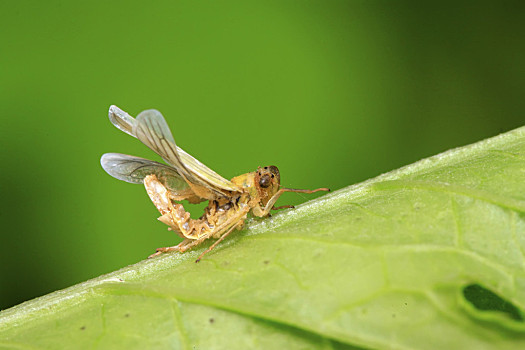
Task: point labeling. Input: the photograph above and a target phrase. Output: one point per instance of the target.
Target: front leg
(275, 197)
(283, 207)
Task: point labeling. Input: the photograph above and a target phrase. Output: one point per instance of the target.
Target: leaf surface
(428, 256)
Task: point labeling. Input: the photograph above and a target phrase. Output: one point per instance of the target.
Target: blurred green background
(332, 92)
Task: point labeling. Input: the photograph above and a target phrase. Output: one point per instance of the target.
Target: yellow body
(223, 214)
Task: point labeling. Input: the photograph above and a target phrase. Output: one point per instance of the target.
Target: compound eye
(265, 181)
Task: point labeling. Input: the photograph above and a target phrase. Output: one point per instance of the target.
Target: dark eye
(264, 181)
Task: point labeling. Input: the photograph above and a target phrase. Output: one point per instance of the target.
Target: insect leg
(283, 207)
(239, 224)
(204, 235)
(178, 248)
(194, 232)
(181, 247)
(276, 196)
(235, 221)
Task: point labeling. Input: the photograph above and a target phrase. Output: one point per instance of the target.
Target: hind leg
(181, 247)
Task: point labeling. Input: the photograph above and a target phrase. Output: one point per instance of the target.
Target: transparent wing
(204, 173)
(121, 120)
(153, 131)
(151, 128)
(135, 169)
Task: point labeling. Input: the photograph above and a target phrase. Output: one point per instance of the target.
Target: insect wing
(205, 173)
(153, 131)
(121, 120)
(135, 169)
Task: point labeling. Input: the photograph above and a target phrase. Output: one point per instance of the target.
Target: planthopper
(185, 178)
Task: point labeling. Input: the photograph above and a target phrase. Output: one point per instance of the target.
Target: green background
(332, 92)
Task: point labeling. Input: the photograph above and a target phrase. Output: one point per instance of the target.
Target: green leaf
(429, 256)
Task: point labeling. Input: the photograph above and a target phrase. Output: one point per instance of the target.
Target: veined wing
(121, 120)
(153, 131)
(151, 128)
(135, 169)
(205, 173)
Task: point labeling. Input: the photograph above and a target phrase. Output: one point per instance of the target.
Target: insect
(185, 178)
